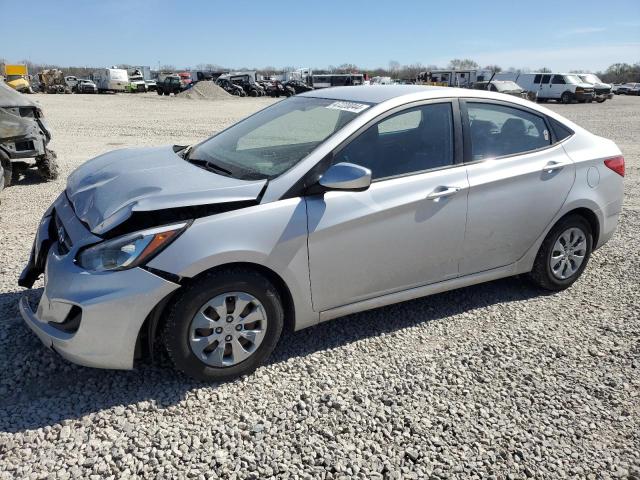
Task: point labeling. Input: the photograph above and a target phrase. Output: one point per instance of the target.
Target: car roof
(371, 93)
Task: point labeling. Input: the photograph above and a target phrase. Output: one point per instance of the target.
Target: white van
(563, 87)
(111, 79)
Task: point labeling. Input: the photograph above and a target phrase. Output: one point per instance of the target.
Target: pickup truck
(168, 85)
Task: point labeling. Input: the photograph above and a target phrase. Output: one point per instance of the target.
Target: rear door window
(499, 131)
(546, 78)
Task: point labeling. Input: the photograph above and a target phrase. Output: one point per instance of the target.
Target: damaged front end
(94, 243)
(128, 192)
(23, 134)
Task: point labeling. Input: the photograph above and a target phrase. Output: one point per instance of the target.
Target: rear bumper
(113, 306)
(609, 221)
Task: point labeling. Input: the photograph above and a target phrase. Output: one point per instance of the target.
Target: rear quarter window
(560, 131)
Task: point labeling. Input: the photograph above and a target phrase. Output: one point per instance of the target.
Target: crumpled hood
(106, 190)
(10, 98)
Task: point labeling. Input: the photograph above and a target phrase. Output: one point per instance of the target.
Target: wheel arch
(149, 332)
(590, 216)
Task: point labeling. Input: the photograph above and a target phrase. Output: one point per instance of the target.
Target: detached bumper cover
(113, 305)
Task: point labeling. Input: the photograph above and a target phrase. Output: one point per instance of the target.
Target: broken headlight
(129, 250)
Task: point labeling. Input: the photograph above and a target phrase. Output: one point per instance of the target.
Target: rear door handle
(442, 192)
(552, 166)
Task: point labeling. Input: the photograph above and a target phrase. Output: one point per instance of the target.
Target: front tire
(224, 325)
(6, 171)
(563, 255)
(566, 98)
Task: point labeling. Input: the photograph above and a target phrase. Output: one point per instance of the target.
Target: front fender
(272, 235)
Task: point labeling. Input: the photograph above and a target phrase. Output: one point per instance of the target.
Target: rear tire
(182, 336)
(549, 271)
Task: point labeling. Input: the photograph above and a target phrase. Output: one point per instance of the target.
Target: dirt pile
(205, 90)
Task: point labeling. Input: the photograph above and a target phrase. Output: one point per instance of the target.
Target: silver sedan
(325, 204)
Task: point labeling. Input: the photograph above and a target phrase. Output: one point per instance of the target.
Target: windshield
(507, 86)
(273, 140)
(573, 79)
(590, 78)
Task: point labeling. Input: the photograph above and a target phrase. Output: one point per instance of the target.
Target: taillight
(616, 164)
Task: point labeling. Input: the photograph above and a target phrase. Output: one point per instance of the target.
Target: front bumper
(113, 305)
(580, 96)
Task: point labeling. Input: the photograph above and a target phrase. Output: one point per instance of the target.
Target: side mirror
(346, 176)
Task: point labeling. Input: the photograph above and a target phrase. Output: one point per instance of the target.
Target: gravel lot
(497, 380)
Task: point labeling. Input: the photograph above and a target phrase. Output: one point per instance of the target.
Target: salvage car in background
(169, 84)
(297, 86)
(84, 85)
(630, 89)
(507, 87)
(230, 87)
(603, 91)
(23, 135)
(324, 204)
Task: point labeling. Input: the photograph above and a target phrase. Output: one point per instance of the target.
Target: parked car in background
(631, 89)
(248, 84)
(84, 85)
(151, 85)
(169, 84)
(137, 83)
(71, 82)
(293, 216)
(298, 86)
(507, 87)
(230, 87)
(562, 87)
(603, 91)
(275, 88)
(23, 135)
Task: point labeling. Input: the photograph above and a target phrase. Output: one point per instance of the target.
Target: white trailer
(111, 79)
(454, 78)
(336, 80)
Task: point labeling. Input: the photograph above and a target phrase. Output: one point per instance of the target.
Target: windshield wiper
(209, 165)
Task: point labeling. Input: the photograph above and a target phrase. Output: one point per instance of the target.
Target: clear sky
(559, 34)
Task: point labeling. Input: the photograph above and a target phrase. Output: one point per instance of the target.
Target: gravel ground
(492, 381)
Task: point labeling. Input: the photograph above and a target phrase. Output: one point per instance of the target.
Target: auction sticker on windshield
(348, 106)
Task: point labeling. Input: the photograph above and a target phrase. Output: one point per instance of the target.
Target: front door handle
(442, 192)
(552, 166)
